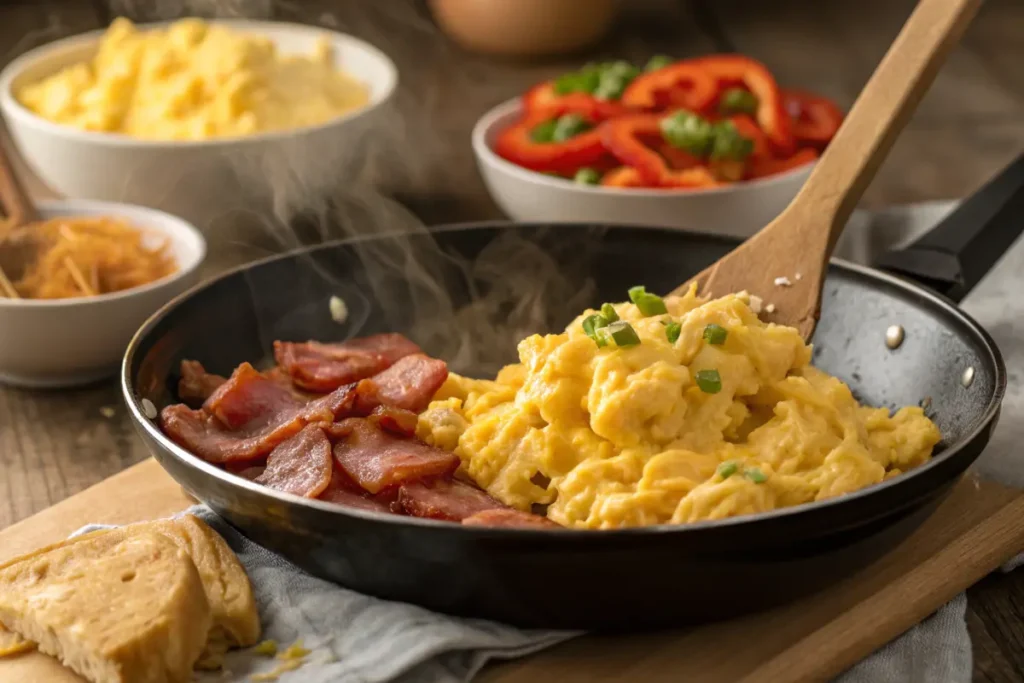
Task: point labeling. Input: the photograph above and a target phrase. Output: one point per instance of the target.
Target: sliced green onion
(728, 145)
(543, 132)
(755, 475)
(591, 324)
(672, 330)
(587, 176)
(737, 101)
(585, 80)
(689, 132)
(608, 311)
(569, 126)
(649, 304)
(727, 469)
(715, 334)
(658, 62)
(709, 381)
(614, 78)
(622, 332)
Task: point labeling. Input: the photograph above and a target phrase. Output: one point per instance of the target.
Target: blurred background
(969, 126)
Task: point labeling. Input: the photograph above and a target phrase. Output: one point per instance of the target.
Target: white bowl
(739, 210)
(66, 342)
(199, 180)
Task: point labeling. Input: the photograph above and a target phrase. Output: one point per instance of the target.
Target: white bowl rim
(13, 108)
(174, 223)
(486, 123)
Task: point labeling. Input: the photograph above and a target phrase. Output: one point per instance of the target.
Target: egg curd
(669, 411)
(193, 81)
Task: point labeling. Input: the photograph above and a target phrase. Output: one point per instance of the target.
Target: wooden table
(54, 444)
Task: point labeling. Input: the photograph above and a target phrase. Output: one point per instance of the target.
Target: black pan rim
(571, 535)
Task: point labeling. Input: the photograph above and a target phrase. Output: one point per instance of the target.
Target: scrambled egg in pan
(669, 411)
(193, 81)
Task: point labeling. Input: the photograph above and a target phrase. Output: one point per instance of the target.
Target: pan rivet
(968, 377)
(894, 336)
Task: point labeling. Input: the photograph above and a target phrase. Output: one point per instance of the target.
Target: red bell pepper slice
(679, 85)
(816, 119)
(517, 145)
(624, 137)
(623, 176)
(543, 96)
(760, 168)
(746, 127)
(771, 114)
(678, 159)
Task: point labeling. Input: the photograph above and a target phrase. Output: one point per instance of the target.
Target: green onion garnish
(755, 475)
(727, 469)
(591, 324)
(569, 126)
(672, 330)
(658, 62)
(623, 333)
(709, 381)
(587, 176)
(649, 304)
(608, 311)
(543, 132)
(715, 334)
(737, 101)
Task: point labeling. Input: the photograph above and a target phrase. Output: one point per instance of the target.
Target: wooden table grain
(56, 443)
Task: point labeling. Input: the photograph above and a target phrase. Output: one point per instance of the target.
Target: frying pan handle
(956, 254)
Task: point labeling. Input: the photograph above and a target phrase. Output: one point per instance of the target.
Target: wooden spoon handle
(879, 114)
(18, 207)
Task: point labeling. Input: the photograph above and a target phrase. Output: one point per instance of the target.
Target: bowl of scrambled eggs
(194, 117)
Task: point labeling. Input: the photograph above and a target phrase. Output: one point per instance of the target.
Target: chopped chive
(727, 469)
(755, 475)
(591, 324)
(709, 381)
(623, 334)
(672, 330)
(649, 304)
(715, 334)
(608, 311)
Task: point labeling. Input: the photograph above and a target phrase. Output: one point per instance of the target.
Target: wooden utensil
(785, 262)
(18, 211)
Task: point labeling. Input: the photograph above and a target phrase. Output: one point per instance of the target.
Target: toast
(114, 608)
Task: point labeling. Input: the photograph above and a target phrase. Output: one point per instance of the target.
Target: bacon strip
(395, 420)
(253, 415)
(325, 367)
(300, 465)
(409, 384)
(377, 460)
(343, 491)
(196, 384)
(507, 518)
(448, 499)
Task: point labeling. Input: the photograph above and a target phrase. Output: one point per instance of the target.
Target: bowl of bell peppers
(710, 143)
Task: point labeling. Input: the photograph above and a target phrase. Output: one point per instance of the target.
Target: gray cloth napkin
(359, 639)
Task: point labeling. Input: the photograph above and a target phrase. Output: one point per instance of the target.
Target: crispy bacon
(377, 460)
(196, 384)
(509, 518)
(343, 491)
(247, 396)
(325, 367)
(409, 384)
(395, 420)
(300, 465)
(260, 424)
(448, 499)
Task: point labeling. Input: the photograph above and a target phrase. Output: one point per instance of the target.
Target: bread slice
(228, 591)
(113, 608)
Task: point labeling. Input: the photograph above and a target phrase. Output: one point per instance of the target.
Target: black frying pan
(636, 578)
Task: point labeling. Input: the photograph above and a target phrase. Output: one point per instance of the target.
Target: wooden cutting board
(980, 526)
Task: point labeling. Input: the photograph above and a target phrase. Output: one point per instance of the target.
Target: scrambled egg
(728, 419)
(193, 81)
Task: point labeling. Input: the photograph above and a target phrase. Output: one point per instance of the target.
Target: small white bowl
(739, 210)
(199, 180)
(68, 342)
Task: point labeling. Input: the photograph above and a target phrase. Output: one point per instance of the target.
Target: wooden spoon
(19, 210)
(785, 262)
